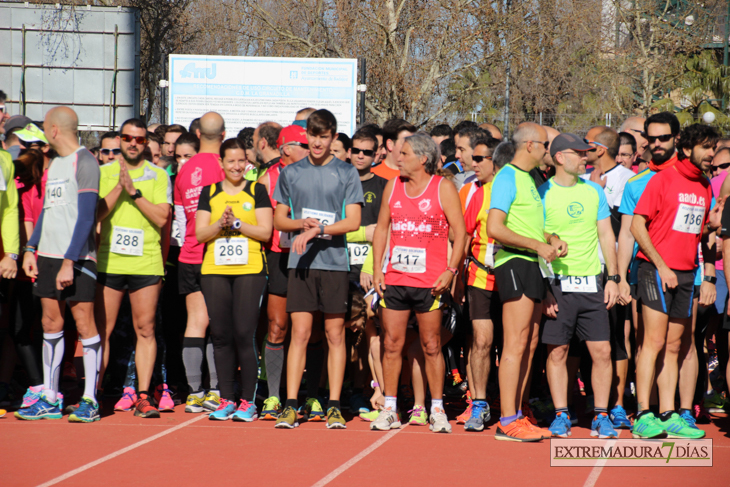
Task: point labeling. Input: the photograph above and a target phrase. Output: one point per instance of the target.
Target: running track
(180, 448)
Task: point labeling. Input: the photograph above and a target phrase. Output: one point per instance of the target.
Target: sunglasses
(106, 152)
(546, 143)
(303, 146)
(479, 159)
(589, 142)
(367, 152)
(721, 166)
(129, 138)
(660, 138)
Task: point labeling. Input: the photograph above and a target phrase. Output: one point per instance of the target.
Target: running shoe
(88, 412)
(387, 419)
(618, 418)
(439, 422)
(144, 408)
(689, 418)
(163, 396)
(312, 410)
(701, 414)
(676, 427)
(31, 396)
(480, 414)
(246, 412)
(713, 362)
(225, 410)
(527, 413)
(517, 431)
(602, 427)
(544, 432)
(41, 409)
(3, 413)
(358, 404)
(648, 426)
(287, 418)
(464, 417)
(271, 409)
(371, 416)
(419, 416)
(212, 400)
(128, 400)
(335, 419)
(194, 403)
(716, 403)
(560, 426)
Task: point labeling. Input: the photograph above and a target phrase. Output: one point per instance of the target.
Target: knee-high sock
(315, 361)
(210, 357)
(53, 348)
(274, 366)
(92, 362)
(192, 355)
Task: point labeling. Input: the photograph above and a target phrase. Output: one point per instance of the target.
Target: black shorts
(407, 298)
(188, 278)
(675, 303)
(317, 290)
(278, 273)
(581, 314)
(120, 282)
(483, 304)
(83, 289)
(518, 277)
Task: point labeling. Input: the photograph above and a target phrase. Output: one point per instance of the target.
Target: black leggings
(234, 303)
(26, 332)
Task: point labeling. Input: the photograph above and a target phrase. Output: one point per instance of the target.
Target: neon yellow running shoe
(419, 416)
(312, 410)
(271, 409)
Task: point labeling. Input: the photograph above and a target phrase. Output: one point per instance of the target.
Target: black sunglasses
(303, 146)
(721, 166)
(661, 138)
(367, 152)
(479, 159)
(106, 152)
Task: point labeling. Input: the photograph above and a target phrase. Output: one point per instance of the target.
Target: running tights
(234, 304)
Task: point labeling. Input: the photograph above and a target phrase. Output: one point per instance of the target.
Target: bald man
(516, 220)
(635, 126)
(65, 271)
(547, 160)
(493, 130)
(201, 170)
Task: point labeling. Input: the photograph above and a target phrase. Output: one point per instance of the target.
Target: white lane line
(597, 469)
(115, 454)
(352, 461)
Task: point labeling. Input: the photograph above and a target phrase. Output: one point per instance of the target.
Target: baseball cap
(31, 133)
(568, 141)
(292, 133)
(16, 122)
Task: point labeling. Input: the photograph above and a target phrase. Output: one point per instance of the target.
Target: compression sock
(315, 360)
(209, 357)
(291, 403)
(192, 354)
(437, 406)
(274, 360)
(53, 348)
(92, 361)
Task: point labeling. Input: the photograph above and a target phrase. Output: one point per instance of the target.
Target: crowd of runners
(503, 275)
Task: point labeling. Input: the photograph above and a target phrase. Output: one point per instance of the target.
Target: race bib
(358, 252)
(284, 240)
(3, 185)
(578, 284)
(55, 193)
(175, 236)
(409, 259)
(231, 251)
(689, 219)
(323, 217)
(127, 241)
(489, 257)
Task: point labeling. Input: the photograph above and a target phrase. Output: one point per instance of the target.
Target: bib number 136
(409, 259)
(689, 219)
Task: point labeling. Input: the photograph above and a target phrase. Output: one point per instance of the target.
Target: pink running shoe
(31, 396)
(163, 396)
(128, 400)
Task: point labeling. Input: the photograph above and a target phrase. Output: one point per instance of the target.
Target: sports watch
(137, 195)
(615, 278)
(710, 279)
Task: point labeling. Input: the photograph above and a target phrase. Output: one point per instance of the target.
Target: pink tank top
(419, 236)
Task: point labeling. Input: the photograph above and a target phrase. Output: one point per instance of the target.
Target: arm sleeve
(10, 226)
(84, 224)
(367, 266)
(357, 236)
(503, 198)
(181, 222)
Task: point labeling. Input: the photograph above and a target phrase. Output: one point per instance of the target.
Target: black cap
(568, 141)
(16, 122)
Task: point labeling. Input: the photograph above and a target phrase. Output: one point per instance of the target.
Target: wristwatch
(615, 278)
(710, 279)
(550, 238)
(453, 270)
(236, 224)
(137, 195)
(12, 256)
(321, 229)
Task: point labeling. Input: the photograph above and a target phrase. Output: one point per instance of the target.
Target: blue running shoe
(225, 410)
(480, 414)
(42, 409)
(561, 425)
(88, 412)
(602, 427)
(245, 412)
(618, 418)
(31, 396)
(689, 418)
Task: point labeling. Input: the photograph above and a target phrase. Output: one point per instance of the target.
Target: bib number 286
(231, 251)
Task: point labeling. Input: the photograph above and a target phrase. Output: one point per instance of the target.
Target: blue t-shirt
(632, 192)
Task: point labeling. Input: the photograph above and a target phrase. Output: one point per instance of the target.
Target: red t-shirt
(200, 171)
(385, 172)
(676, 204)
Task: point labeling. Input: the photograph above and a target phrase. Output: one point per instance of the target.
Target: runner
(234, 217)
(516, 220)
(201, 170)
(394, 132)
(292, 143)
(418, 269)
(134, 207)
(669, 221)
(324, 196)
(578, 299)
(66, 266)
